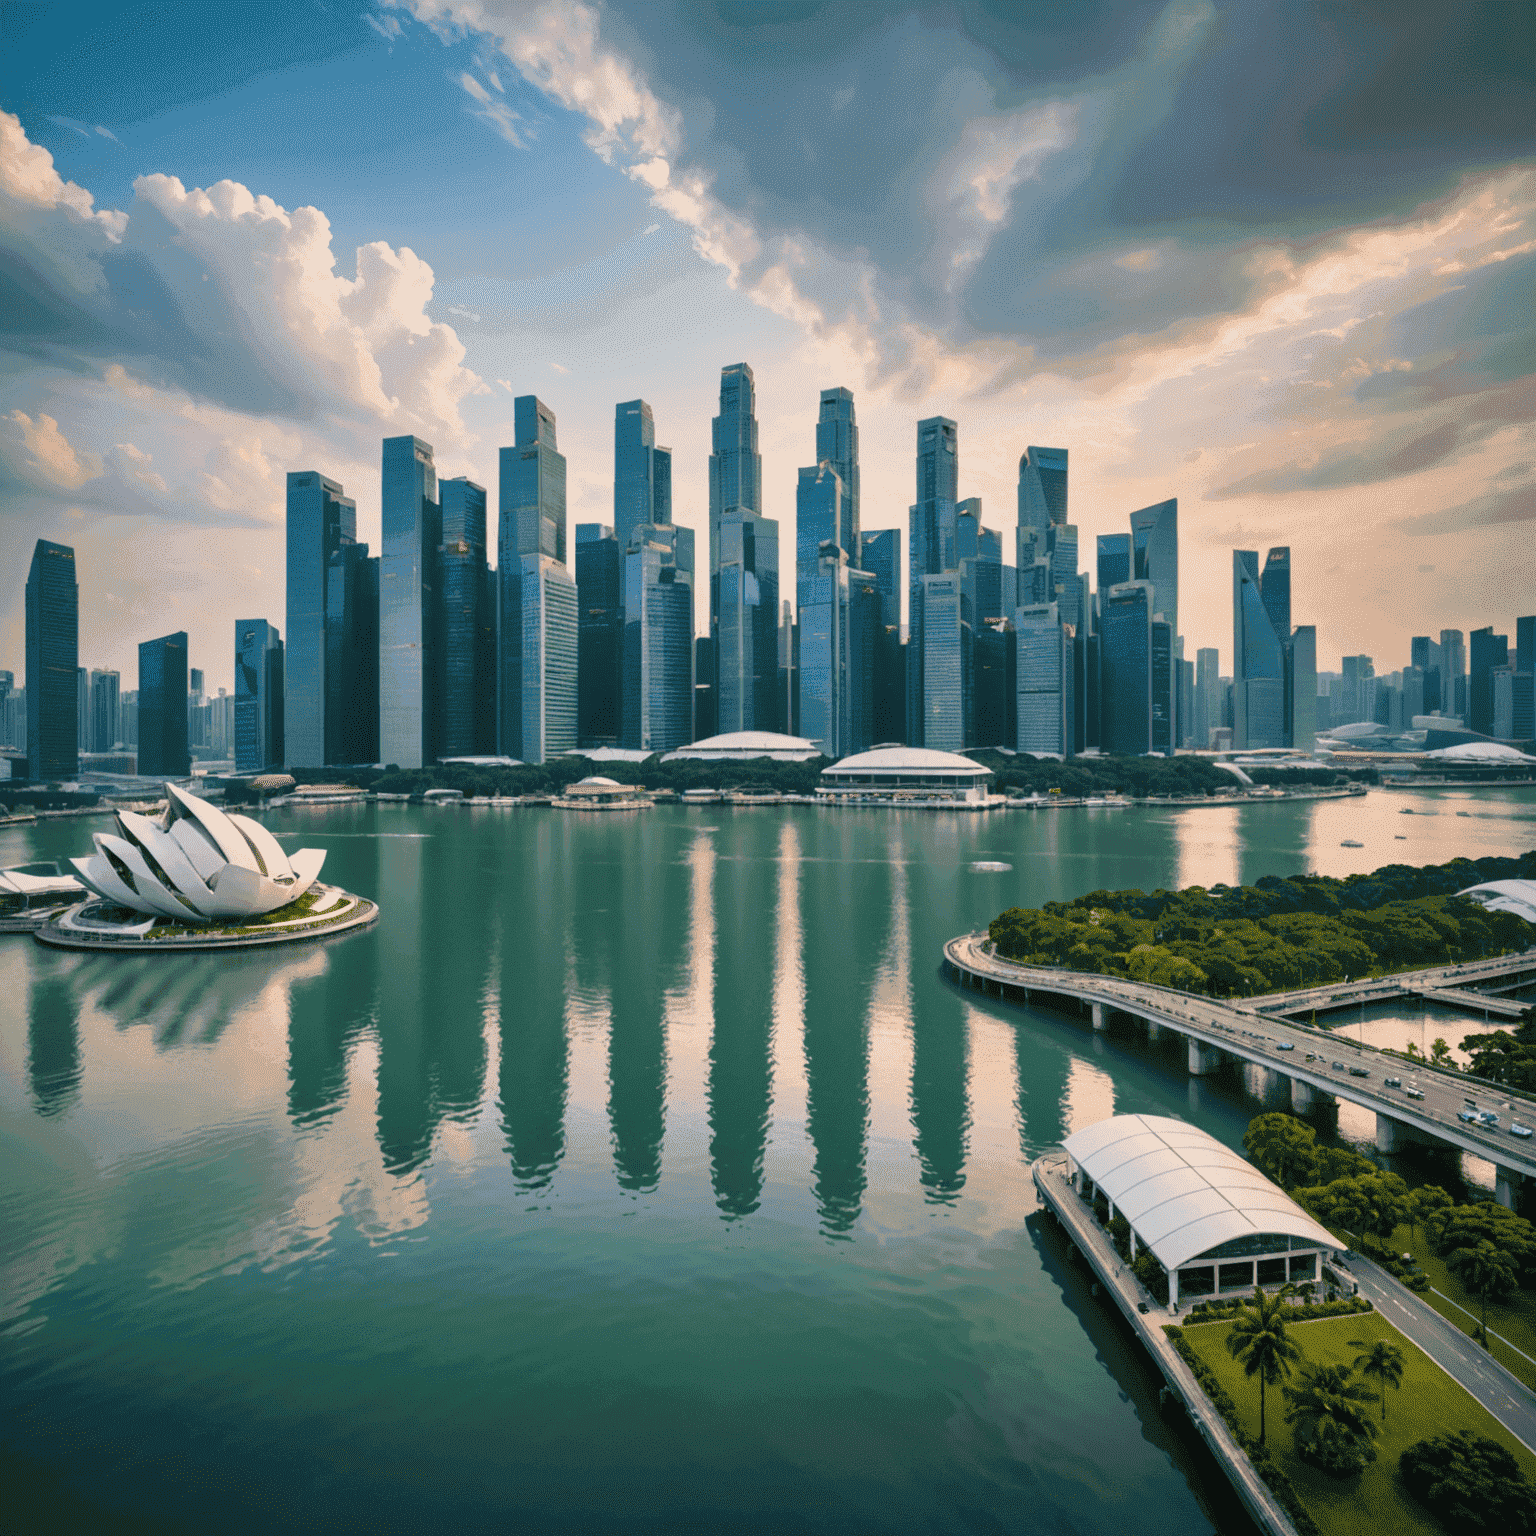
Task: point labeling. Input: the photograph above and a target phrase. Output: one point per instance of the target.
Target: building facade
(1125, 661)
(932, 538)
(658, 654)
(163, 708)
(259, 723)
(599, 635)
(321, 521)
(469, 623)
(53, 662)
(1258, 680)
(1044, 682)
(747, 658)
(410, 604)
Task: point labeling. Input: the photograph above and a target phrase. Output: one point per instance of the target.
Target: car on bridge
(1286, 1045)
(1414, 1093)
(1467, 1116)
(1517, 1129)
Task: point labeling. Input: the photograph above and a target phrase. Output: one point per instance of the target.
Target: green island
(1278, 934)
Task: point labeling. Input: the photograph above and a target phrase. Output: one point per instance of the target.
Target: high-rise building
(259, 722)
(533, 585)
(931, 552)
(1114, 563)
(837, 444)
(747, 653)
(940, 632)
(53, 660)
(657, 712)
(83, 709)
(105, 688)
(1275, 589)
(1061, 544)
(1186, 701)
(469, 623)
(1524, 681)
(1486, 651)
(994, 687)
(321, 520)
(1425, 654)
(882, 559)
(410, 607)
(819, 503)
(1042, 487)
(352, 657)
(827, 680)
(1125, 669)
(163, 707)
(642, 472)
(1258, 684)
(735, 482)
(600, 636)
(1207, 695)
(1164, 694)
(1301, 684)
(1355, 698)
(1155, 556)
(1044, 682)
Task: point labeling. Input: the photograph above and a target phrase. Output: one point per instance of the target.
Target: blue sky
(1276, 261)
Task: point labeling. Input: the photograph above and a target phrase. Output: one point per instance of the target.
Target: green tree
(1440, 1052)
(1331, 1420)
(1469, 1483)
(1485, 1271)
(1261, 1343)
(1381, 1362)
(1465, 1226)
(1282, 1147)
(1501, 1058)
(1425, 1203)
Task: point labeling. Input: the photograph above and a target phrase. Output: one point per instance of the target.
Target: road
(1318, 1058)
(1376, 989)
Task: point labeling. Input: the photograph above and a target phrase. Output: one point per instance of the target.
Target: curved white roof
(600, 782)
(1182, 1191)
(747, 744)
(1479, 751)
(907, 760)
(1517, 896)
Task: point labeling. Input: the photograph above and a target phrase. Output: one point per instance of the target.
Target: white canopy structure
(1200, 1207)
(1517, 896)
(740, 746)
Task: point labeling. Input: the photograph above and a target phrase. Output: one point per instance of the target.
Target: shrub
(1469, 1483)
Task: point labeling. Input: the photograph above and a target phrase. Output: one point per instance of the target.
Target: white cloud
(650, 229)
(559, 367)
(107, 133)
(488, 109)
(388, 27)
(46, 456)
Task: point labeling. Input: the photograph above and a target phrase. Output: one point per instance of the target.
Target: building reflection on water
(53, 1042)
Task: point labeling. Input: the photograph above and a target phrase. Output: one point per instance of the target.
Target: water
(637, 1172)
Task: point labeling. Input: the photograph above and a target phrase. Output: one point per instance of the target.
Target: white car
(1522, 1131)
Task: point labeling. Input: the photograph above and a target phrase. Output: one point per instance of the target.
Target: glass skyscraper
(1042, 487)
(53, 660)
(1258, 679)
(946, 662)
(819, 502)
(824, 649)
(1044, 682)
(352, 656)
(1155, 556)
(1207, 695)
(1486, 652)
(1114, 563)
(1275, 589)
(600, 635)
(105, 689)
(931, 552)
(1302, 688)
(837, 444)
(1125, 669)
(642, 472)
(259, 723)
(163, 708)
(1164, 689)
(657, 693)
(410, 605)
(321, 520)
(532, 506)
(469, 623)
(882, 559)
(735, 482)
(747, 659)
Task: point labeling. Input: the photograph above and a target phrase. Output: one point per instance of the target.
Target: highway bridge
(1450, 984)
(1316, 1061)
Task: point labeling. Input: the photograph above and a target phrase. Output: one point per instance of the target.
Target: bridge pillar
(1392, 1135)
(1304, 1097)
(1506, 1186)
(1203, 1059)
(1154, 1030)
(1100, 1021)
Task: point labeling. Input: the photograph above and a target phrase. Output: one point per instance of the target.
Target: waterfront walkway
(1315, 1061)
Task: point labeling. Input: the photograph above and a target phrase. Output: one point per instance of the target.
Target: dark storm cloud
(1499, 507)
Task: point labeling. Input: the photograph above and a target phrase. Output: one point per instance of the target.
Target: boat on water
(32, 894)
(1351, 842)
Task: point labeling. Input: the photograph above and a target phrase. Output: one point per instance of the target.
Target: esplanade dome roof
(600, 781)
(745, 745)
(910, 760)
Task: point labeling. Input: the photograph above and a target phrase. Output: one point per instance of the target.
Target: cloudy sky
(1276, 260)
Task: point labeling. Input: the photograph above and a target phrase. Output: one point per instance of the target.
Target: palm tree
(1381, 1361)
(1332, 1424)
(1260, 1342)
(1485, 1271)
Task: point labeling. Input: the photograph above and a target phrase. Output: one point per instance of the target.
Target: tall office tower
(882, 559)
(1258, 683)
(128, 718)
(1035, 585)
(789, 665)
(321, 520)
(1186, 700)
(865, 634)
(994, 690)
(819, 502)
(1164, 697)
(837, 444)
(941, 634)
(931, 550)
(706, 695)
(967, 528)
(826, 675)
(105, 688)
(642, 472)
(1207, 695)
(747, 653)
(735, 481)
(1425, 655)
(1487, 651)
(259, 722)
(600, 637)
(469, 623)
(1413, 693)
(163, 707)
(1525, 679)
(539, 651)
(1042, 487)
(351, 657)
(1044, 681)
(531, 539)
(982, 576)
(1275, 589)
(657, 691)
(1114, 565)
(1155, 556)
(1061, 546)
(410, 607)
(1502, 685)
(53, 660)
(1453, 673)
(1355, 698)
(1125, 669)
(83, 709)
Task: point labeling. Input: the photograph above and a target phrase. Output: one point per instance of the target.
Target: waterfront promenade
(1315, 1061)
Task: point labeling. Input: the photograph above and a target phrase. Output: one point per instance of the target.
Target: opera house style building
(200, 876)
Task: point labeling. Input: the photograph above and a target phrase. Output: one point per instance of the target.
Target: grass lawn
(1428, 1403)
(1514, 1318)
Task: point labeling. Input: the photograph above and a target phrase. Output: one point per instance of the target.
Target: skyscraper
(1207, 695)
(1155, 556)
(533, 592)
(259, 722)
(1061, 544)
(1042, 487)
(352, 657)
(105, 688)
(1125, 661)
(825, 678)
(940, 632)
(1044, 681)
(469, 623)
(600, 636)
(321, 520)
(837, 444)
(1453, 674)
(163, 707)
(1258, 681)
(819, 502)
(53, 660)
(658, 637)
(1303, 687)
(747, 654)
(932, 552)
(994, 684)
(410, 607)
(1114, 564)
(735, 481)
(1487, 651)
(882, 559)
(1524, 681)
(83, 709)
(1275, 589)
(1164, 689)
(642, 472)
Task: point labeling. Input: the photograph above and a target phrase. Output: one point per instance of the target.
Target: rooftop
(910, 760)
(746, 745)
(1517, 896)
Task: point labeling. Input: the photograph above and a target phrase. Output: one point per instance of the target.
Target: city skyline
(1305, 347)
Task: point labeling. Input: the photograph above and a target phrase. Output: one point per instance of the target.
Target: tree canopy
(1330, 1417)
(1469, 1483)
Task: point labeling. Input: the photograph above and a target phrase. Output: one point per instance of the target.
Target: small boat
(1463, 813)
(31, 894)
(1400, 837)
(1351, 842)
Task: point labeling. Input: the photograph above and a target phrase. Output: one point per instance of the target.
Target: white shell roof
(1517, 896)
(1182, 1191)
(1478, 751)
(748, 744)
(895, 760)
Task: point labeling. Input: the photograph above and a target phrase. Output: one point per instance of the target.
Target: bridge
(1318, 1063)
(1449, 984)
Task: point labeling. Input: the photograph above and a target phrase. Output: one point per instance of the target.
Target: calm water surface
(635, 1173)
